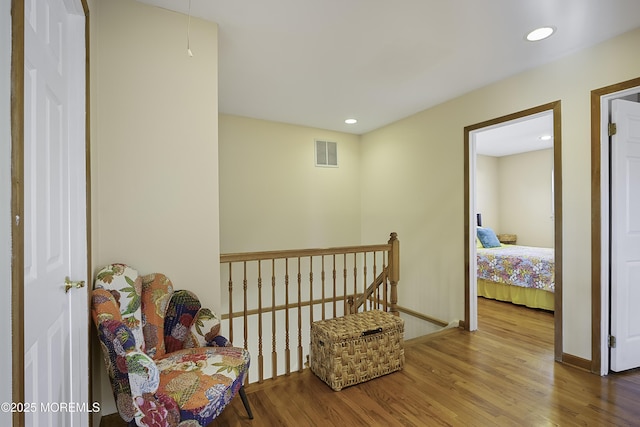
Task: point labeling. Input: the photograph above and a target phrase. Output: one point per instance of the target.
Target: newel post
(394, 272)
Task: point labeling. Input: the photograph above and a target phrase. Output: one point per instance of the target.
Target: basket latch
(371, 332)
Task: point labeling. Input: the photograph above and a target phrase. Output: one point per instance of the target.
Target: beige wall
(272, 196)
(423, 158)
(412, 184)
(487, 193)
(154, 149)
(514, 195)
(525, 197)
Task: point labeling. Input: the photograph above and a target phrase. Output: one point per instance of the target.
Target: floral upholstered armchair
(167, 363)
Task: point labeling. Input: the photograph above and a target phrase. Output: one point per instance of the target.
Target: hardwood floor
(502, 374)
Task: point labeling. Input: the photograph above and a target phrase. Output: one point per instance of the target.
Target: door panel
(625, 235)
(54, 197)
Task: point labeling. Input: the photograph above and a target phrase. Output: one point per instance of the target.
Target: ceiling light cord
(188, 30)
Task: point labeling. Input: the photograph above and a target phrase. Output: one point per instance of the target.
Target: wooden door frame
(600, 323)
(17, 199)
(555, 107)
(17, 205)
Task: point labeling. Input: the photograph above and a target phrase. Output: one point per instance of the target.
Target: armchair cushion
(202, 380)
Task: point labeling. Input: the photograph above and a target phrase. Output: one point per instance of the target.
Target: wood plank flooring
(502, 374)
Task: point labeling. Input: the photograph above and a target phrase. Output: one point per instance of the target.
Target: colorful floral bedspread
(524, 266)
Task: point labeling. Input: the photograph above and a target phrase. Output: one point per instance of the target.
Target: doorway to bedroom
(513, 193)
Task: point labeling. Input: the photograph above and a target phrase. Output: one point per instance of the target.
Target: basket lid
(357, 325)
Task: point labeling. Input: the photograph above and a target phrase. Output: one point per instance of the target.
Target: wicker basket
(509, 239)
(356, 348)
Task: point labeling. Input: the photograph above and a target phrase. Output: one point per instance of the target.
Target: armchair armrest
(150, 407)
(144, 376)
(135, 377)
(116, 340)
(205, 331)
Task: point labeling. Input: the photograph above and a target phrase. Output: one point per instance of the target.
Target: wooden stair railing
(305, 285)
(374, 287)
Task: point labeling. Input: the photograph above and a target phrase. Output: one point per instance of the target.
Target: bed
(522, 275)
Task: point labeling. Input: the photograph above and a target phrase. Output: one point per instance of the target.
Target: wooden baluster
(310, 290)
(230, 305)
(260, 357)
(375, 275)
(385, 282)
(299, 317)
(394, 272)
(383, 285)
(364, 269)
(287, 352)
(335, 284)
(274, 353)
(244, 307)
(344, 279)
(323, 289)
(355, 281)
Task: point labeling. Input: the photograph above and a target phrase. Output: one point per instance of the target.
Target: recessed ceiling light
(351, 121)
(540, 34)
(545, 137)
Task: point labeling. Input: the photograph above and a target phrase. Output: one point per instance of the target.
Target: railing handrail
(295, 253)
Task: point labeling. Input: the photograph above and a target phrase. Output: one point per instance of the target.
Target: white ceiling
(317, 62)
(517, 136)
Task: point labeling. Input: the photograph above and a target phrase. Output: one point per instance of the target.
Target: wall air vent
(326, 154)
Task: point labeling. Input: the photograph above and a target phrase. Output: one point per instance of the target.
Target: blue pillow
(488, 238)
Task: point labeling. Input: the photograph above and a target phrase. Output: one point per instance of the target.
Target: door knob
(68, 284)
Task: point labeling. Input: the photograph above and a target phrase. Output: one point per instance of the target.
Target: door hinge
(612, 341)
(613, 129)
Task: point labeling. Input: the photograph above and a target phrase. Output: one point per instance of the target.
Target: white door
(625, 235)
(55, 321)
